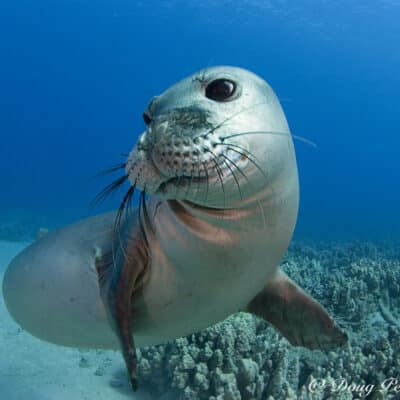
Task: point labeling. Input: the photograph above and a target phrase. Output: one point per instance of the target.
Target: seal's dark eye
(146, 118)
(220, 90)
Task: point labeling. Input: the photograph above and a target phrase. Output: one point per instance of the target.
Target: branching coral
(244, 358)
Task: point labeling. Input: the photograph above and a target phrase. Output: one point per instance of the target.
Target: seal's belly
(199, 290)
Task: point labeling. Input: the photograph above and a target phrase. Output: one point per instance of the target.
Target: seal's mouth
(180, 182)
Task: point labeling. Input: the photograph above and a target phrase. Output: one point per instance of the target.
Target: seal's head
(213, 139)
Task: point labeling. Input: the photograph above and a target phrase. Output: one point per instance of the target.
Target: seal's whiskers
(243, 110)
(230, 169)
(190, 181)
(236, 166)
(100, 197)
(240, 171)
(305, 140)
(276, 133)
(207, 180)
(220, 175)
(234, 177)
(247, 156)
(117, 222)
(112, 169)
(143, 223)
(198, 177)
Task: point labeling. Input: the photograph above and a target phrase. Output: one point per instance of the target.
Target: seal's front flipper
(119, 279)
(298, 317)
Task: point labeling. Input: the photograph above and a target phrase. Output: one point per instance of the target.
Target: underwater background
(75, 77)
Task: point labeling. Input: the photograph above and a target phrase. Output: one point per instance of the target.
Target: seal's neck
(192, 213)
(269, 205)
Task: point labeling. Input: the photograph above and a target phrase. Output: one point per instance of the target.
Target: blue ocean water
(75, 77)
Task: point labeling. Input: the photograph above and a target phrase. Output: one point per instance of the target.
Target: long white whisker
(229, 118)
(275, 133)
(304, 140)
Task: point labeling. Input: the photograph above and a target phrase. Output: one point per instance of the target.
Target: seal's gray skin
(222, 179)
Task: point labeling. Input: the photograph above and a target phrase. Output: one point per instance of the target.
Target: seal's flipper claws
(298, 317)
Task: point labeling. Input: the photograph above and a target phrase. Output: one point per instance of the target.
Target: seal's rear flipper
(118, 282)
(297, 316)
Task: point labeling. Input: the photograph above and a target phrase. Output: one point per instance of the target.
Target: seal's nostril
(146, 118)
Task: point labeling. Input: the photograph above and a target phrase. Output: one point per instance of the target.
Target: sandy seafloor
(241, 358)
(31, 369)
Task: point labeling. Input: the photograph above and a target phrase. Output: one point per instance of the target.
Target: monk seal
(217, 176)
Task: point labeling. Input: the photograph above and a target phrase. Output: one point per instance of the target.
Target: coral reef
(244, 358)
